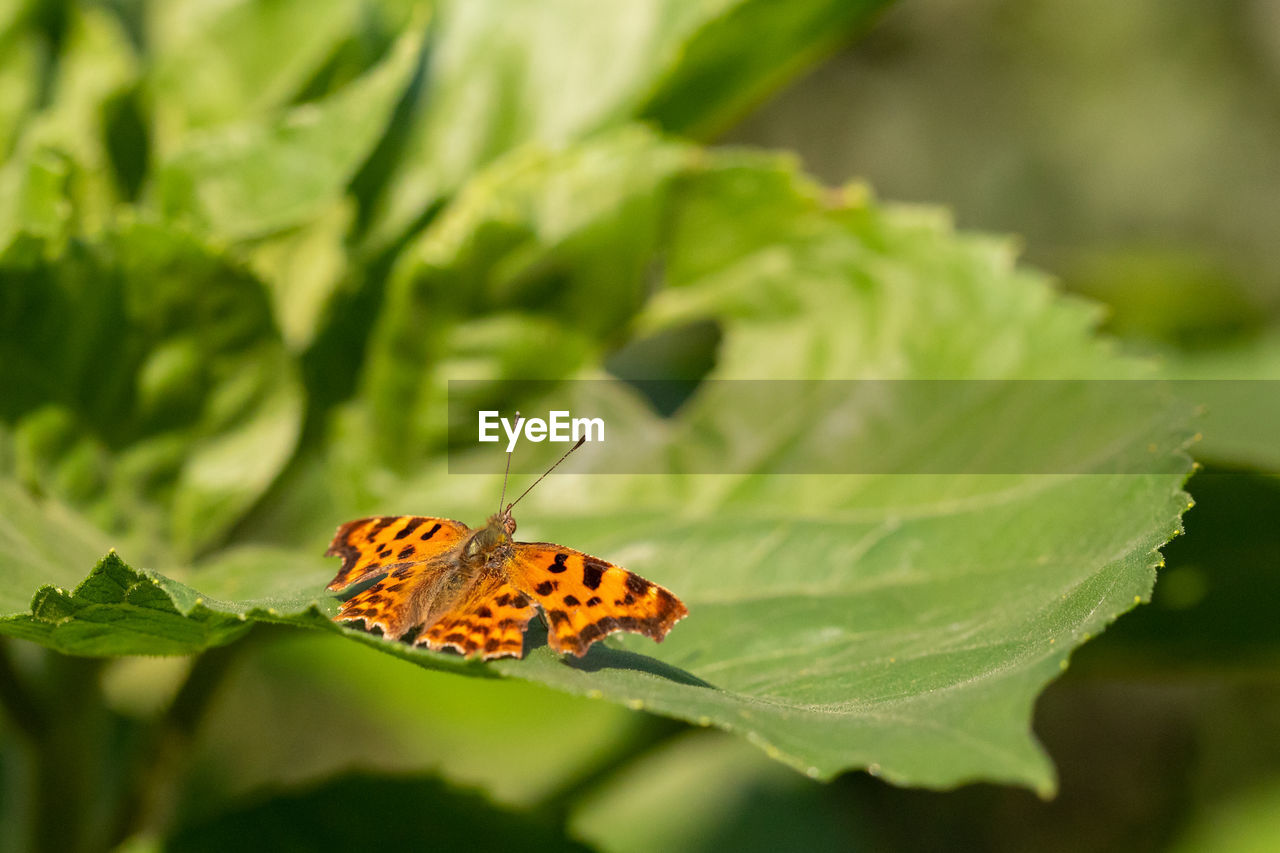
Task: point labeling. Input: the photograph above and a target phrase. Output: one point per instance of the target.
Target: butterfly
(475, 590)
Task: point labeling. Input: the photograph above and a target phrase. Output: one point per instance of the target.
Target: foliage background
(244, 242)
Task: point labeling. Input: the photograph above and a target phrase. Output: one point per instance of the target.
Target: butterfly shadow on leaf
(601, 657)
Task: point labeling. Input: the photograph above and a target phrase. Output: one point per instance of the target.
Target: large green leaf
(899, 623)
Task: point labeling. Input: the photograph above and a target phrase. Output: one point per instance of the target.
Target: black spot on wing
(558, 566)
(571, 601)
(546, 587)
(593, 572)
(409, 527)
(383, 523)
(432, 532)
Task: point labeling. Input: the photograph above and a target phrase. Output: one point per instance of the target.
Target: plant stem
(63, 760)
(147, 802)
(648, 732)
(17, 702)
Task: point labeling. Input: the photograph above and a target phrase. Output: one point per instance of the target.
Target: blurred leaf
(1178, 296)
(543, 236)
(715, 793)
(1239, 387)
(20, 61)
(262, 175)
(236, 60)
(33, 199)
(1246, 822)
(313, 689)
(40, 543)
(503, 75)
(147, 385)
(12, 14)
(403, 813)
(95, 66)
(726, 68)
(303, 268)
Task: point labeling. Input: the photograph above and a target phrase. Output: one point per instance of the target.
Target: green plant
(236, 282)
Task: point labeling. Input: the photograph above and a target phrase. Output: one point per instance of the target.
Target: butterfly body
(476, 589)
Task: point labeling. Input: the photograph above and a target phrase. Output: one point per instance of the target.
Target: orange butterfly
(473, 589)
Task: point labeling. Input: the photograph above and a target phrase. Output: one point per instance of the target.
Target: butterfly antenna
(581, 442)
(505, 476)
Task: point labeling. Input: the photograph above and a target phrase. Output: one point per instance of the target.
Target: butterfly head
(504, 523)
(495, 533)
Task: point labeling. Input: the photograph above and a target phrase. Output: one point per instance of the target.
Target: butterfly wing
(586, 598)
(404, 599)
(371, 546)
(488, 620)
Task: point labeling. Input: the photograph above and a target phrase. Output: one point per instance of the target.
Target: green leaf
(148, 385)
(403, 812)
(33, 198)
(12, 14)
(216, 63)
(903, 624)
(504, 75)
(19, 81)
(808, 649)
(725, 68)
(96, 65)
(304, 268)
(119, 611)
(262, 175)
(534, 239)
(41, 543)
